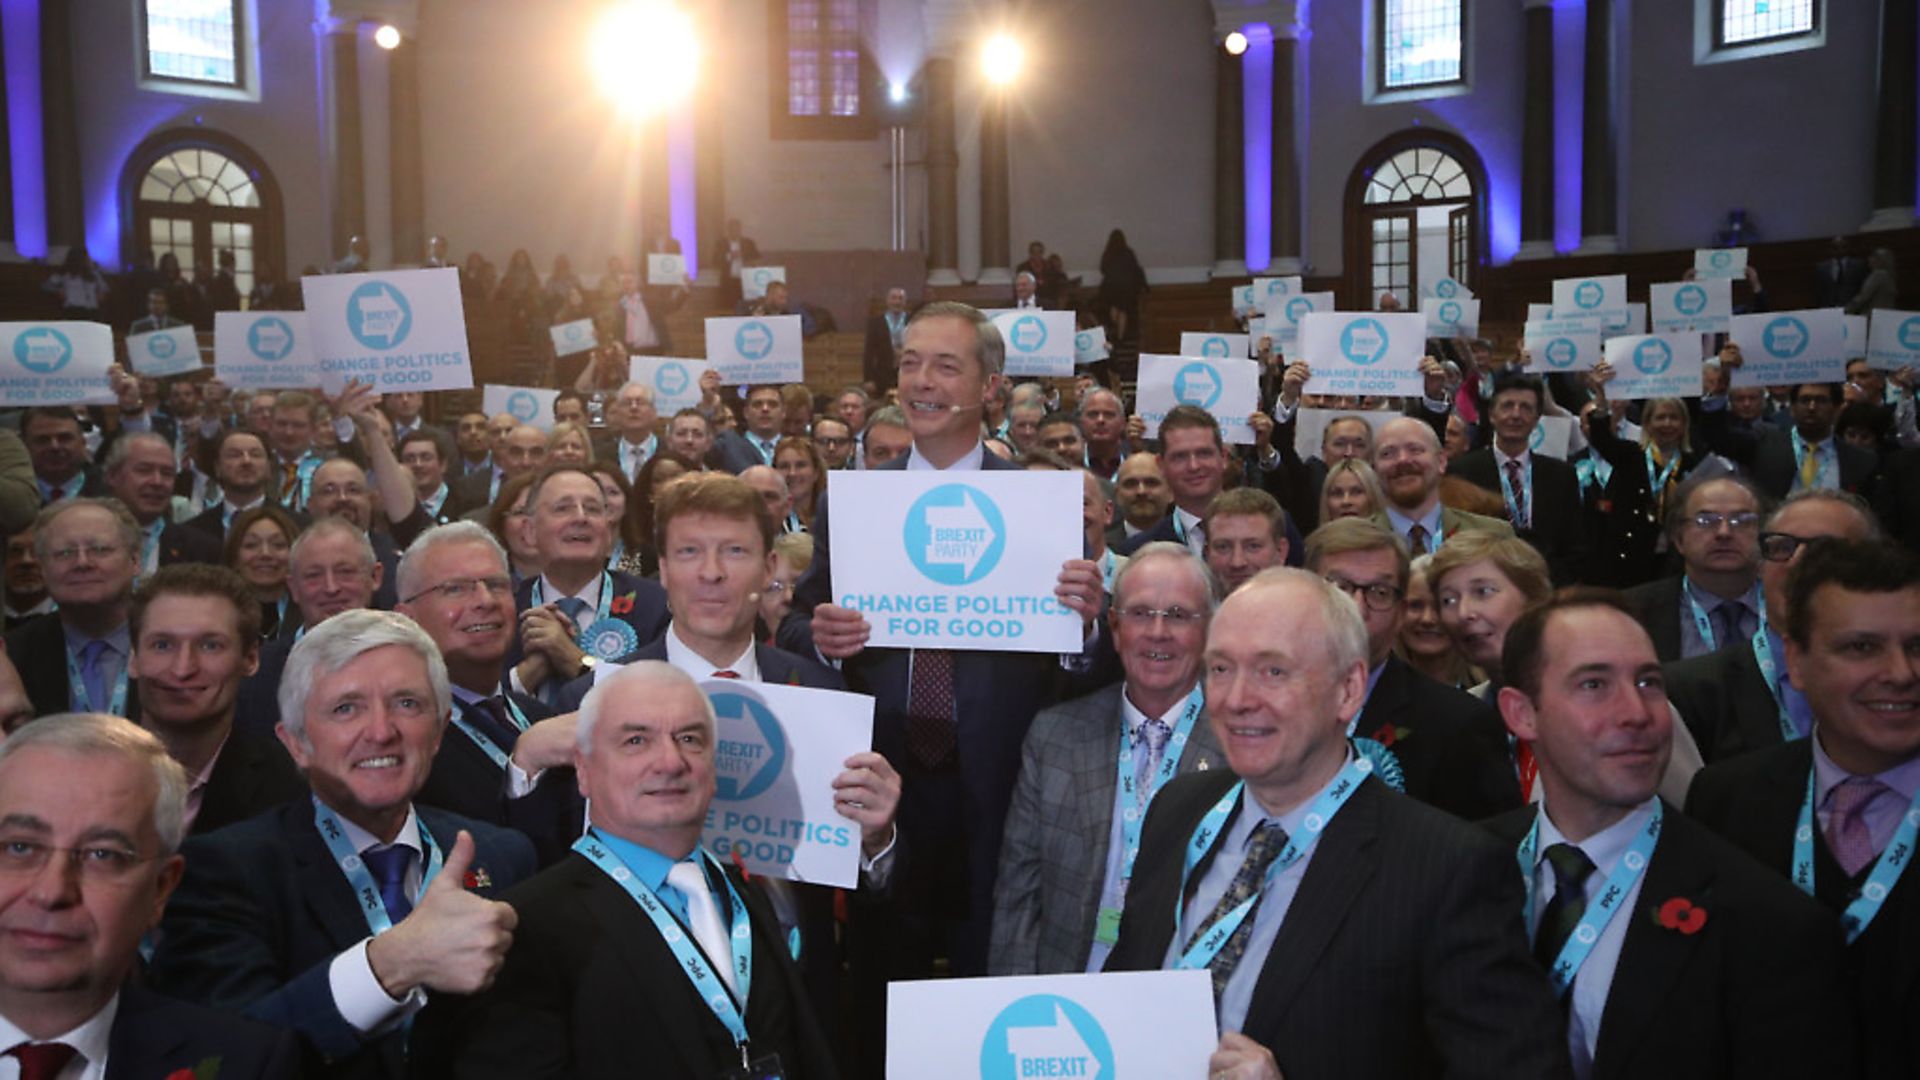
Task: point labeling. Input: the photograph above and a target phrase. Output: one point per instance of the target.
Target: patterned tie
(42, 1061)
(93, 675)
(1726, 623)
(1262, 848)
(931, 738)
(1517, 484)
(389, 866)
(1847, 834)
(1570, 869)
(1417, 538)
(1155, 733)
(289, 482)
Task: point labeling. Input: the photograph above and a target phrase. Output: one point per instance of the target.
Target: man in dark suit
(331, 568)
(241, 465)
(1322, 895)
(403, 410)
(1743, 698)
(1835, 813)
(424, 453)
(59, 454)
(884, 332)
(1697, 963)
(1141, 497)
(1715, 602)
(1064, 862)
(739, 451)
(334, 916)
(1542, 493)
(195, 631)
(519, 452)
(633, 440)
(140, 472)
(733, 252)
(1838, 277)
(969, 711)
(1806, 455)
(1193, 461)
(1437, 744)
(75, 781)
(624, 945)
(76, 658)
(1898, 497)
(577, 612)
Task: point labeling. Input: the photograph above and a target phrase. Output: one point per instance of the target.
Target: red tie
(726, 674)
(42, 1061)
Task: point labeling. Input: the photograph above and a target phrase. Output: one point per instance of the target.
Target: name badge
(764, 1068)
(1107, 930)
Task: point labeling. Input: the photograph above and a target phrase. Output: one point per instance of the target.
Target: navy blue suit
(647, 616)
(735, 452)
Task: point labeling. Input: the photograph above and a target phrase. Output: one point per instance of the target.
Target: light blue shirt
(113, 662)
(634, 457)
(652, 868)
(1799, 709)
(1691, 644)
(1402, 524)
(1595, 980)
(1274, 901)
(1826, 475)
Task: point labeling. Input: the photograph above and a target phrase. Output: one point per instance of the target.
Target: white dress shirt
(357, 993)
(89, 1042)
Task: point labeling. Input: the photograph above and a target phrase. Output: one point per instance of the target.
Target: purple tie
(1847, 832)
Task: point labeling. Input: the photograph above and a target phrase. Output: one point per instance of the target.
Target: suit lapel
(136, 1042)
(1094, 783)
(322, 882)
(1652, 956)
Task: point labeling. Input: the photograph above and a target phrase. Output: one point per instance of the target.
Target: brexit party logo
(1297, 307)
(750, 748)
(1690, 300)
(1364, 341)
(1784, 338)
(1720, 260)
(1215, 347)
(1450, 313)
(1910, 333)
(1588, 295)
(1045, 1035)
(523, 406)
(955, 535)
(754, 340)
(1652, 356)
(270, 338)
(1197, 384)
(1561, 352)
(574, 333)
(42, 350)
(1029, 334)
(763, 278)
(1083, 341)
(672, 379)
(1447, 289)
(379, 316)
(161, 347)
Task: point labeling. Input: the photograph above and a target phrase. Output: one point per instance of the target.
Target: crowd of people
(349, 736)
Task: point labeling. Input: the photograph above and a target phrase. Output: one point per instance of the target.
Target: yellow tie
(1809, 468)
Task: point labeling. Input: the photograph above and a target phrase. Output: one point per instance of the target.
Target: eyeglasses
(571, 507)
(1379, 596)
(97, 862)
(95, 552)
(457, 589)
(1708, 521)
(1782, 547)
(777, 587)
(1175, 616)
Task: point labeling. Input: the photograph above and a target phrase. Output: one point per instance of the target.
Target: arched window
(195, 195)
(1415, 212)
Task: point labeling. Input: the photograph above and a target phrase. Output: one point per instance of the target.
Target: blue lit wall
(1256, 86)
(24, 138)
(683, 192)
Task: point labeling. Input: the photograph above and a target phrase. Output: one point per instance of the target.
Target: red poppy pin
(1388, 735)
(478, 878)
(1680, 914)
(623, 603)
(208, 1069)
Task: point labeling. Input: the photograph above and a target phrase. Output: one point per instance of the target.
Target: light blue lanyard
(599, 608)
(1763, 656)
(487, 746)
(1133, 802)
(726, 1005)
(364, 888)
(1599, 913)
(1886, 869)
(303, 478)
(1325, 806)
(1800, 451)
(1506, 493)
(149, 550)
(116, 706)
(1109, 568)
(1703, 625)
(436, 501)
(1593, 470)
(1658, 481)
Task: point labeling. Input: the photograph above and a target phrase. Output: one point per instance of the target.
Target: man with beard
(1406, 454)
(241, 465)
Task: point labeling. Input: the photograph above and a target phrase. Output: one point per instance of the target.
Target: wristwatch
(587, 662)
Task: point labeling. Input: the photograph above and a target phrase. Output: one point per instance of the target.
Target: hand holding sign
(1240, 1058)
(1082, 587)
(452, 941)
(869, 793)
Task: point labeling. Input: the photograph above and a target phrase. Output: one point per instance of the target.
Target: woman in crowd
(1644, 476)
(257, 547)
(1482, 581)
(660, 470)
(792, 554)
(518, 299)
(508, 520)
(1122, 280)
(570, 444)
(626, 553)
(799, 461)
(1424, 643)
(1352, 489)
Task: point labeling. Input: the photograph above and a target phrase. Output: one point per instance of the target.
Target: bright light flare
(387, 37)
(1001, 60)
(897, 93)
(1236, 43)
(646, 56)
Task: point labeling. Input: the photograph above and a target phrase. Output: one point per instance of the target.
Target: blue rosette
(1386, 765)
(608, 639)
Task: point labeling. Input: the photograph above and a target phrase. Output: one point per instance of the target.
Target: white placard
(755, 279)
(1653, 366)
(1563, 344)
(55, 363)
(1451, 318)
(1285, 321)
(958, 560)
(1216, 346)
(1893, 339)
(572, 337)
(776, 752)
(1722, 263)
(1625, 323)
(1784, 347)
(263, 350)
(1310, 425)
(675, 380)
(1446, 288)
(1853, 336)
(1703, 307)
(1090, 345)
(1602, 296)
(993, 314)
(1226, 387)
(1363, 354)
(668, 268)
(1270, 291)
(527, 404)
(1111, 1026)
(1257, 329)
(1243, 302)
(756, 349)
(1038, 342)
(159, 353)
(399, 330)
(1539, 312)
(1552, 436)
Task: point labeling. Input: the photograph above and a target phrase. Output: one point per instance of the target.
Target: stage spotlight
(646, 56)
(387, 37)
(1236, 43)
(1001, 59)
(897, 93)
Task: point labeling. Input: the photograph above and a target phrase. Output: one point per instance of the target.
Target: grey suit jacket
(1053, 857)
